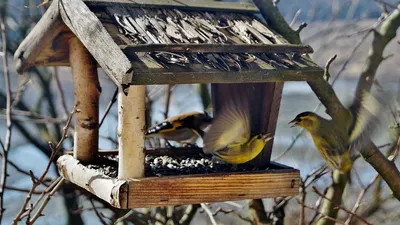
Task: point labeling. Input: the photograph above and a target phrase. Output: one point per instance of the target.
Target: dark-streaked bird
(339, 143)
(183, 128)
(229, 138)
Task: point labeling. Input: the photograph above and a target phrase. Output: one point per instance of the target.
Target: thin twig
(323, 215)
(167, 100)
(97, 213)
(340, 207)
(209, 213)
(22, 190)
(6, 147)
(60, 92)
(37, 181)
(49, 196)
(327, 75)
(108, 108)
(295, 17)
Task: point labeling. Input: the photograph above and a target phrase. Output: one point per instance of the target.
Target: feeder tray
(99, 179)
(149, 42)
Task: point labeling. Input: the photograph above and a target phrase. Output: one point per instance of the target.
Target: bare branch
(209, 213)
(6, 146)
(327, 75)
(108, 108)
(340, 207)
(97, 213)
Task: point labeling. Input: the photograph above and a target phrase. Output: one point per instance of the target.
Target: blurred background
(334, 27)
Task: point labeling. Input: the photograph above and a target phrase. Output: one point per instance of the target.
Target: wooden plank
(182, 4)
(131, 127)
(193, 189)
(48, 27)
(153, 76)
(219, 48)
(87, 91)
(109, 189)
(87, 27)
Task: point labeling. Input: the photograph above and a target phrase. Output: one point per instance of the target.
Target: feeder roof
(166, 42)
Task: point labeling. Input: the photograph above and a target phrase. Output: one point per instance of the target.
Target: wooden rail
(219, 48)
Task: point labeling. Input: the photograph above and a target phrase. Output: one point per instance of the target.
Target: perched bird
(184, 128)
(229, 136)
(339, 143)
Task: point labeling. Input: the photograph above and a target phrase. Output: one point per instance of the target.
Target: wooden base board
(181, 190)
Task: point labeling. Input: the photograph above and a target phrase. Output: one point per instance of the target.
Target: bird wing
(231, 127)
(368, 113)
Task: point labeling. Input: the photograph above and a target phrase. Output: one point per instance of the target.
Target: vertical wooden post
(87, 91)
(131, 125)
(265, 101)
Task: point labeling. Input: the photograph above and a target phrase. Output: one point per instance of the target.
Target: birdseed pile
(172, 165)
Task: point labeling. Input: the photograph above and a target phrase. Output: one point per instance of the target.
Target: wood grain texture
(90, 31)
(192, 189)
(87, 91)
(109, 189)
(278, 181)
(182, 4)
(131, 127)
(219, 48)
(154, 76)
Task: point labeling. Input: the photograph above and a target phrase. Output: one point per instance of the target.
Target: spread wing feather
(230, 127)
(371, 111)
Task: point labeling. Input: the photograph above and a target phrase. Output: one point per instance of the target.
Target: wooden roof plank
(48, 27)
(182, 4)
(154, 76)
(219, 48)
(90, 31)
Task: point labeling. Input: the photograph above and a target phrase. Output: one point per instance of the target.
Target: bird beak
(293, 122)
(267, 137)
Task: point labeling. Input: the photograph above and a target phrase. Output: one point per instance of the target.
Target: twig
(340, 207)
(301, 27)
(60, 92)
(49, 196)
(167, 101)
(124, 217)
(295, 17)
(209, 213)
(37, 181)
(386, 4)
(6, 146)
(323, 215)
(108, 108)
(316, 213)
(327, 75)
(373, 180)
(22, 190)
(97, 213)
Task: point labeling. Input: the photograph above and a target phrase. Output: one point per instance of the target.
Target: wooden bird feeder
(145, 42)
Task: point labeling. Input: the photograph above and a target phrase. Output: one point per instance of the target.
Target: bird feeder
(145, 42)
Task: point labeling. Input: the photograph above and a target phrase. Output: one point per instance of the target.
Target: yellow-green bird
(339, 143)
(185, 127)
(229, 136)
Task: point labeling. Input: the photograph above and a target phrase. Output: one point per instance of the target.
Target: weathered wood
(219, 48)
(87, 27)
(260, 93)
(87, 92)
(269, 118)
(192, 189)
(109, 189)
(182, 4)
(152, 76)
(131, 127)
(180, 190)
(48, 27)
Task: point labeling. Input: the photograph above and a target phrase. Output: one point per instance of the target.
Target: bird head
(307, 120)
(262, 139)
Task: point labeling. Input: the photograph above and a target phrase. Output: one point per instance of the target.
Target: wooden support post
(87, 91)
(131, 126)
